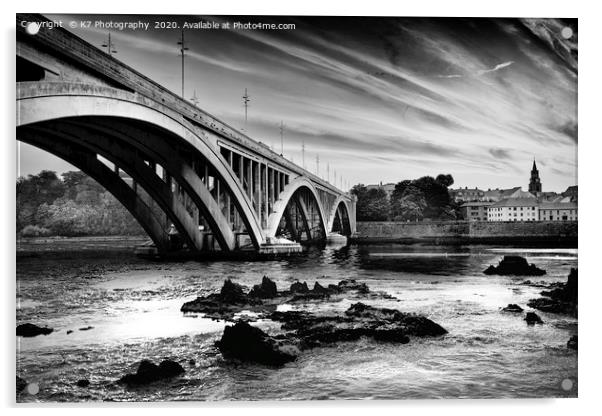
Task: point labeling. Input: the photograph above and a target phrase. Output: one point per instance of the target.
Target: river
(133, 308)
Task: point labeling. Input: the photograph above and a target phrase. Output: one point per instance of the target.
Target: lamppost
(183, 50)
(109, 45)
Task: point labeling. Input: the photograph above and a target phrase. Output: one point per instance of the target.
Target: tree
(423, 198)
(372, 204)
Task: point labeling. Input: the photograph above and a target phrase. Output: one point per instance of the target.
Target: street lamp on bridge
(109, 45)
(183, 50)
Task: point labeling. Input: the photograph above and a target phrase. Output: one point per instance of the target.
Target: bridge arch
(290, 195)
(78, 111)
(339, 219)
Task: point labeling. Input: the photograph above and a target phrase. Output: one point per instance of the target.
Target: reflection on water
(133, 307)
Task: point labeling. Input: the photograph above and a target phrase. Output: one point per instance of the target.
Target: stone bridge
(191, 181)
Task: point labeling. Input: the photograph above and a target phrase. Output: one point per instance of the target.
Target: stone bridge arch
(290, 197)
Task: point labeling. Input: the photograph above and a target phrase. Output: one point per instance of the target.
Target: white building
(558, 211)
(514, 209)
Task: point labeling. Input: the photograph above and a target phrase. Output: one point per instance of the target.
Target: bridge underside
(179, 197)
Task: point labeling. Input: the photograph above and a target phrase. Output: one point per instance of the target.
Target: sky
(376, 99)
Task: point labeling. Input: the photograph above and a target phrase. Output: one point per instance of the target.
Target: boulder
(351, 284)
(360, 320)
(319, 289)
(31, 330)
(247, 343)
(532, 318)
(512, 307)
(232, 292)
(149, 372)
(561, 299)
(266, 290)
(299, 287)
(83, 383)
(21, 384)
(516, 266)
(572, 343)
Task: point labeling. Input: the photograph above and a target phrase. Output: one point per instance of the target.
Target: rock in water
(532, 318)
(299, 287)
(562, 299)
(21, 384)
(516, 266)
(572, 343)
(83, 383)
(232, 292)
(512, 307)
(266, 290)
(247, 343)
(149, 372)
(319, 289)
(31, 330)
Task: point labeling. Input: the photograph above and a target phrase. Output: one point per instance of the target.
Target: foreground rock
(360, 320)
(266, 290)
(306, 330)
(532, 318)
(31, 330)
(562, 299)
(247, 343)
(265, 297)
(515, 266)
(512, 307)
(149, 372)
(572, 343)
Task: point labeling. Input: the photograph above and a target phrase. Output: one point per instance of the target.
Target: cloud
(500, 153)
(496, 68)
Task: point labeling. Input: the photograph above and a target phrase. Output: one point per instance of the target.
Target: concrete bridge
(191, 181)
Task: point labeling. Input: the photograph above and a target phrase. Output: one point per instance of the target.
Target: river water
(133, 307)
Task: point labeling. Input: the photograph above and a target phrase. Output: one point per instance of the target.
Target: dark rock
(266, 290)
(515, 265)
(83, 383)
(69, 331)
(561, 299)
(191, 362)
(299, 287)
(351, 284)
(21, 384)
(532, 318)
(360, 320)
(232, 292)
(31, 330)
(149, 372)
(86, 328)
(319, 289)
(512, 307)
(572, 343)
(247, 343)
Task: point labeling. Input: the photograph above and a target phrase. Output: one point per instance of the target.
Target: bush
(35, 231)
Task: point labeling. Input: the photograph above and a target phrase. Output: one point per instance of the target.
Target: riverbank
(538, 233)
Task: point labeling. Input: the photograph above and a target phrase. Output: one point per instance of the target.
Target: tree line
(71, 205)
(426, 198)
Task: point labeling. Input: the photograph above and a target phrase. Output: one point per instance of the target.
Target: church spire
(535, 182)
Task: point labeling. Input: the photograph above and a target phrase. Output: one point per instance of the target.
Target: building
(535, 182)
(514, 209)
(466, 194)
(475, 211)
(571, 192)
(558, 211)
(388, 187)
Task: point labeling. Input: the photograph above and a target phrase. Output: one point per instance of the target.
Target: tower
(535, 182)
